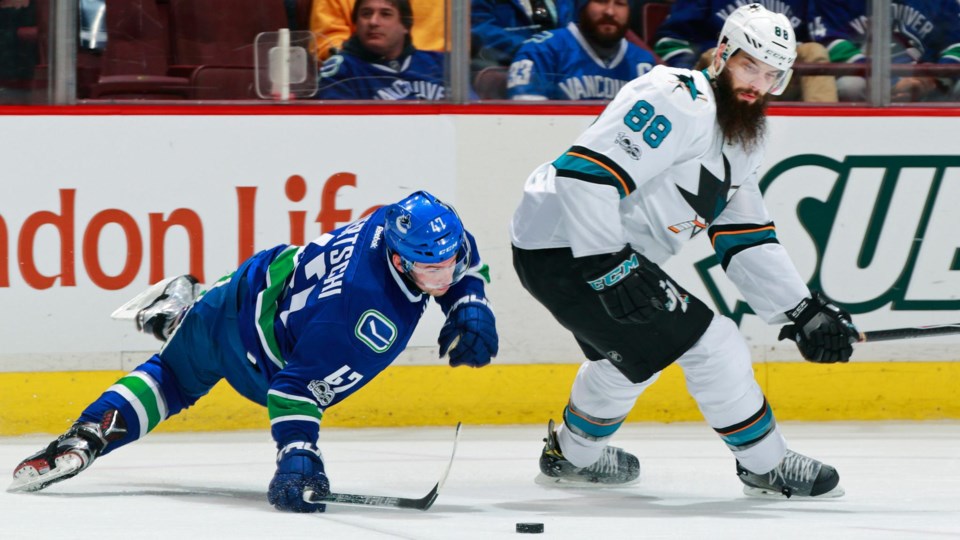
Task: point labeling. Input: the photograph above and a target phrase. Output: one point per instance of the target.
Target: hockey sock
(144, 397)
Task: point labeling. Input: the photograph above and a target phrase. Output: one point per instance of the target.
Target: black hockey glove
(299, 468)
(824, 333)
(629, 285)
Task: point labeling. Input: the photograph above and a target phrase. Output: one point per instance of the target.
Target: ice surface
(902, 480)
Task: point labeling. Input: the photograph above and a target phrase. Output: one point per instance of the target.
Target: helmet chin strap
(718, 63)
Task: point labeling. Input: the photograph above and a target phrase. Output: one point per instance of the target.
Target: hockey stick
(422, 503)
(910, 332)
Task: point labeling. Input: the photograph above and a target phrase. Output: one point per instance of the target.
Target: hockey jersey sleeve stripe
(277, 274)
(585, 164)
(950, 54)
(843, 50)
(283, 407)
(729, 240)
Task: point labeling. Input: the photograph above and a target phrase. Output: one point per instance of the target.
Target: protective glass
(762, 78)
(432, 277)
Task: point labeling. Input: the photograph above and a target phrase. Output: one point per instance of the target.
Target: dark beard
(589, 29)
(740, 122)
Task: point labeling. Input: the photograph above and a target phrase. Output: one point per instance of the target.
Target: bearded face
(605, 21)
(741, 111)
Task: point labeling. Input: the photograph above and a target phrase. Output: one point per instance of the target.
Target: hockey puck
(529, 527)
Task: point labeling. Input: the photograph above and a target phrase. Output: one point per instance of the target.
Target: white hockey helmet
(763, 34)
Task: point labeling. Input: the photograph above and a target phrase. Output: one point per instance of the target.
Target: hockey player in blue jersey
(297, 329)
(379, 60)
(924, 31)
(687, 37)
(587, 60)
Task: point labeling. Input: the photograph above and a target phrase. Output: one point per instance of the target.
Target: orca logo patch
(376, 330)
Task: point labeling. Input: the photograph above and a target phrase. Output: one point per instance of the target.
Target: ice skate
(159, 309)
(67, 456)
(796, 476)
(616, 467)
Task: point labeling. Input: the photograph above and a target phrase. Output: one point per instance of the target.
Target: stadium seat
(136, 61)
(654, 14)
(216, 38)
(491, 83)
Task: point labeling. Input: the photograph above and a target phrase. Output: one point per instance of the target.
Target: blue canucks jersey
(417, 76)
(561, 65)
(923, 30)
(503, 25)
(322, 320)
(693, 26)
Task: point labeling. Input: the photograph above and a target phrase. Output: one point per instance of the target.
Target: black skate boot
(162, 315)
(797, 475)
(71, 453)
(615, 466)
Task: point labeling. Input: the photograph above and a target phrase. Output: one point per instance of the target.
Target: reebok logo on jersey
(376, 331)
(377, 235)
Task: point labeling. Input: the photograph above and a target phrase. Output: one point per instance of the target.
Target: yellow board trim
(514, 394)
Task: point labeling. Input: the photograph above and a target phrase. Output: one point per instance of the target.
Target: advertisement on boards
(93, 210)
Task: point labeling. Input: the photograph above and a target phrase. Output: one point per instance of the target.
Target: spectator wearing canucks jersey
(501, 26)
(924, 31)
(332, 23)
(587, 60)
(296, 329)
(379, 60)
(688, 35)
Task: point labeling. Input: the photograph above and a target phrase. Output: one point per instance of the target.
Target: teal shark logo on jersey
(376, 331)
(686, 82)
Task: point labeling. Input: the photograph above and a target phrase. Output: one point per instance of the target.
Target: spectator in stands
(379, 60)
(924, 31)
(17, 58)
(332, 22)
(587, 60)
(687, 37)
(499, 27)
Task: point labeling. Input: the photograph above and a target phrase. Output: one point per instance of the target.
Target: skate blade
(27, 478)
(130, 309)
(551, 481)
(761, 493)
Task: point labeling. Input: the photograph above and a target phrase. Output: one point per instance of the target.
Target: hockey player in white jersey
(676, 153)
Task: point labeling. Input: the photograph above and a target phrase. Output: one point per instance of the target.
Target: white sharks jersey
(654, 171)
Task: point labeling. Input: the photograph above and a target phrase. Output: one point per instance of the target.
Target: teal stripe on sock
(588, 429)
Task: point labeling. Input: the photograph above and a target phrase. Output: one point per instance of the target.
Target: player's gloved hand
(824, 333)
(628, 285)
(299, 468)
(470, 333)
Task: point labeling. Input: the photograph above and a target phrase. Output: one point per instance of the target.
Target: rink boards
(862, 200)
(515, 394)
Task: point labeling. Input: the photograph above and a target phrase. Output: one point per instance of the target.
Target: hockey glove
(824, 333)
(470, 333)
(628, 285)
(299, 467)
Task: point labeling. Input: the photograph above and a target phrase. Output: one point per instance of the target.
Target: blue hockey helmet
(423, 229)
